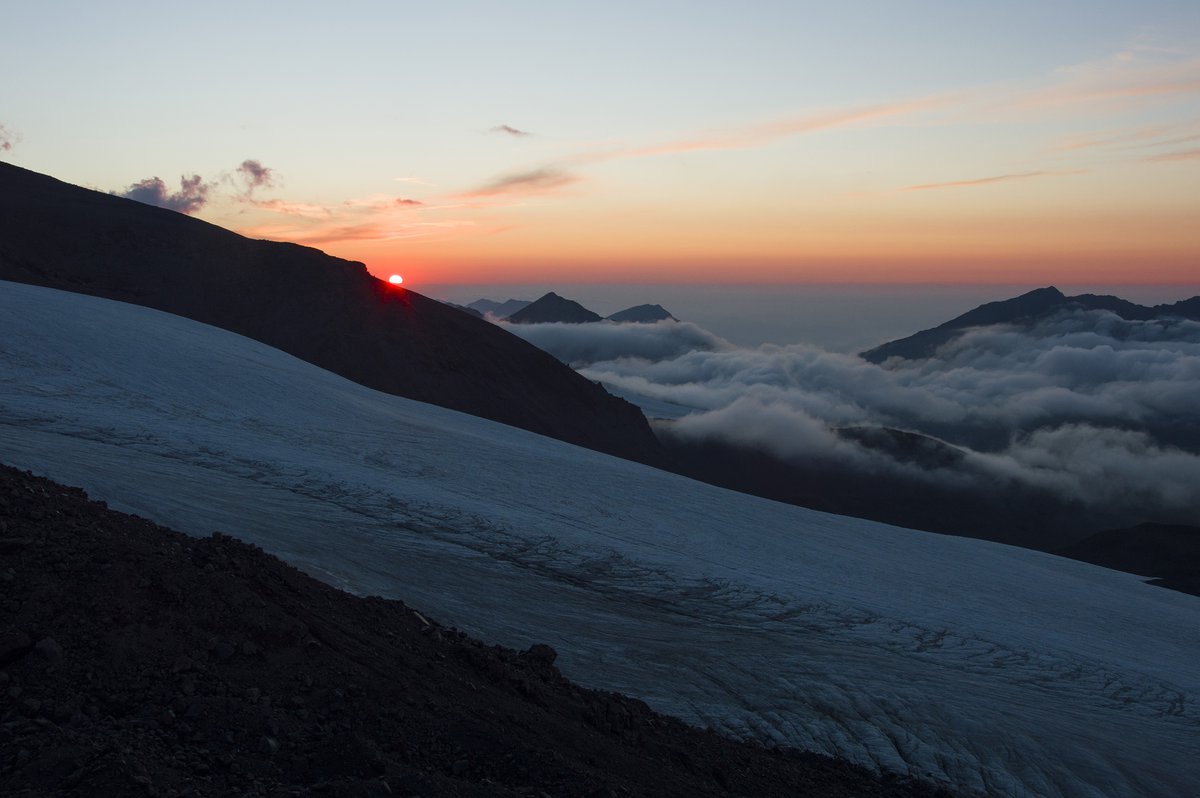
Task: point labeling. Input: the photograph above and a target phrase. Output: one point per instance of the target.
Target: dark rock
(48, 651)
(541, 654)
(14, 644)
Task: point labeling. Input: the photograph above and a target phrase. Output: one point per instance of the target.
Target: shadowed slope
(328, 311)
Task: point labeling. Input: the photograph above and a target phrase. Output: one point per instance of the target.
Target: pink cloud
(983, 181)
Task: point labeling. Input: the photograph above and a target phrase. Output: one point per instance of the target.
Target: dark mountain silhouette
(501, 310)
(553, 308)
(140, 661)
(642, 314)
(464, 309)
(1025, 309)
(1170, 552)
(328, 311)
(1010, 513)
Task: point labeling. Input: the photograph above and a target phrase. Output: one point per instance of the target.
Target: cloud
(382, 202)
(1091, 407)
(7, 139)
(287, 208)
(766, 132)
(983, 181)
(254, 175)
(512, 131)
(535, 181)
(1130, 76)
(1179, 155)
(582, 344)
(191, 197)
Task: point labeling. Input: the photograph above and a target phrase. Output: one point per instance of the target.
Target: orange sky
(960, 142)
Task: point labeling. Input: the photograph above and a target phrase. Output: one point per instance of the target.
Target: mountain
(1025, 309)
(501, 310)
(1170, 552)
(642, 314)
(990, 668)
(936, 500)
(464, 309)
(236, 657)
(553, 308)
(328, 311)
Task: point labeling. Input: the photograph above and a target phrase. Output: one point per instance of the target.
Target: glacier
(997, 670)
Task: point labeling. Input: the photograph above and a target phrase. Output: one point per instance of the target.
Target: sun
(395, 279)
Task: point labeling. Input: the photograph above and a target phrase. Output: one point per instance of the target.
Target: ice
(997, 669)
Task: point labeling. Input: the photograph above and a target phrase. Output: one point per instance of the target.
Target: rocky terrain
(138, 661)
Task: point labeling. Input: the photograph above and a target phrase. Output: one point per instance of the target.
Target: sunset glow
(395, 279)
(976, 144)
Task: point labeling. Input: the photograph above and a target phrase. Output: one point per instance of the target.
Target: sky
(650, 142)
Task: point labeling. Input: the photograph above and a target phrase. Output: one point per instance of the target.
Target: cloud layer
(1093, 408)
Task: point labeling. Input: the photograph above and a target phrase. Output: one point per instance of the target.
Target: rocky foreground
(135, 660)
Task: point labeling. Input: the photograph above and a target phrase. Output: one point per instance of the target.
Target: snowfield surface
(1000, 670)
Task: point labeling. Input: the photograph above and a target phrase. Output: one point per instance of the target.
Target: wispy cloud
(510, 130)
(416, 180)
(1137, 137)
(7, 139)
(534, 181)
(382, 202)
(191, 197)
(983, 181)
(340, 230)
(766, 132)
(287, 208)
(1181, 155)
(1128, 76)
(548, 178)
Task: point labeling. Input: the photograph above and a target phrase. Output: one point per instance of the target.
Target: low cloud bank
(583, 344)
(1091, 407)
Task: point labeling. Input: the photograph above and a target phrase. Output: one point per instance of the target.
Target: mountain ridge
(328, 311)
(551, 308)
(1026, 308)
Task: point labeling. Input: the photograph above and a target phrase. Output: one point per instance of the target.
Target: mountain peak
(552, 308)
(642, 314)
(1024, 309)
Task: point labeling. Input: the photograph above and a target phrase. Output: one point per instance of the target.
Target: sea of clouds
(1094, 408)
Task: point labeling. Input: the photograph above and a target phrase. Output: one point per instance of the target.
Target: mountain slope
(1023, 309)
(551, 308)
(995, 669)
(500, 310)
(642, 314)
(325, 310)
(1170, 552)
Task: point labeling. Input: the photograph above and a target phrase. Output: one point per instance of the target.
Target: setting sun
(395, 279)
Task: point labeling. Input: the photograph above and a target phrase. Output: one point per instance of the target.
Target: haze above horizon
(540, 143)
